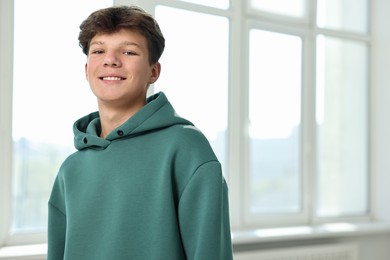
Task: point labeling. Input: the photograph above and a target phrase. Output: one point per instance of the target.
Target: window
(49, 93)
(344, 15)
(290, 122)
(195, 70)
(280, 90)
(224, 4)
(274, 123)
(294, 8)
(341, 119)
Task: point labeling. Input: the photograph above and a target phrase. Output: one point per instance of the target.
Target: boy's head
(113, 19)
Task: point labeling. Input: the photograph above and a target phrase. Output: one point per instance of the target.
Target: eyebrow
(125, 43)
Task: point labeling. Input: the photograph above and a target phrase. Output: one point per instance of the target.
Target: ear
(86, 71)
(155, 73)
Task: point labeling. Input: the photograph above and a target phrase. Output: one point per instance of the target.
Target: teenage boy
(144, 182)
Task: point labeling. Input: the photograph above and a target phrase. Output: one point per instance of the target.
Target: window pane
(222, 4)
(195, 70)
(274, 114)
(295, 8)
(50, 92)
(350, 15)
(341, 116)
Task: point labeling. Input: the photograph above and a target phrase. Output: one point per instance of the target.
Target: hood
(158, 113)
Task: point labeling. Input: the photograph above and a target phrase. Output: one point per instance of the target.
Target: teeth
(112, 78)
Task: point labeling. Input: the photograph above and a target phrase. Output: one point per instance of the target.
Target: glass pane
(295, 8)
(222, 4)
(341, 116)
(351, 15)
(50, 92)
(274, 114)
(195, 70)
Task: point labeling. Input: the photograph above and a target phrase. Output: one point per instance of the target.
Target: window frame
(308, 30)
(6, 53)
(290, 219)
(364, 38)
(243, 18)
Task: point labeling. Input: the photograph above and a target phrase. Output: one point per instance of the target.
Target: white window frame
(242, 19)
(308, 31)
(6, 54)
(276, 219)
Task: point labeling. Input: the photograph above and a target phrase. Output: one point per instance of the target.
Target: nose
(111, 60)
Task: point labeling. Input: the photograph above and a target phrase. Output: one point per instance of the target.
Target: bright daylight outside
(50, 92)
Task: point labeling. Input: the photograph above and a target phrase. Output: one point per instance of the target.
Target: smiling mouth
(112, 78)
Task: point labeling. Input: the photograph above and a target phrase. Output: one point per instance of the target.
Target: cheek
(89, 68)
(144, 71)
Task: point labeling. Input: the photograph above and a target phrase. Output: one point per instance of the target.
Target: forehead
(121, 37)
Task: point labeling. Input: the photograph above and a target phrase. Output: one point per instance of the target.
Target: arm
(204, 215)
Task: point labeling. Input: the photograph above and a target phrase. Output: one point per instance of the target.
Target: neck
(111, 118)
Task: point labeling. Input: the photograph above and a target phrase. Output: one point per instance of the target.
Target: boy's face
(118, 69)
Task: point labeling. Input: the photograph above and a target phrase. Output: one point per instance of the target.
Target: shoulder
(68, 164)
(189, 138)
(191, 145)
(188, 134)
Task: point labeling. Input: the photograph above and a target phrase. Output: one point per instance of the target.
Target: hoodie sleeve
(56, 232)
(204, 215)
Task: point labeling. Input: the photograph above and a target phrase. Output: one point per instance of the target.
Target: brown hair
(113, 19)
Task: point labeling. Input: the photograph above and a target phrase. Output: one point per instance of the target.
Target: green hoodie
(152, 189)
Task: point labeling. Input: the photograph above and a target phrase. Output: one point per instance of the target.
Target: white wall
(380, 110)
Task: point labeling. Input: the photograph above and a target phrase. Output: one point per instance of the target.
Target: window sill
(308, 232)
(38, 252)
(25, 252)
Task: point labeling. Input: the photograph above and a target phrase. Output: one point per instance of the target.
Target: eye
(130, 53)
(97, 52)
